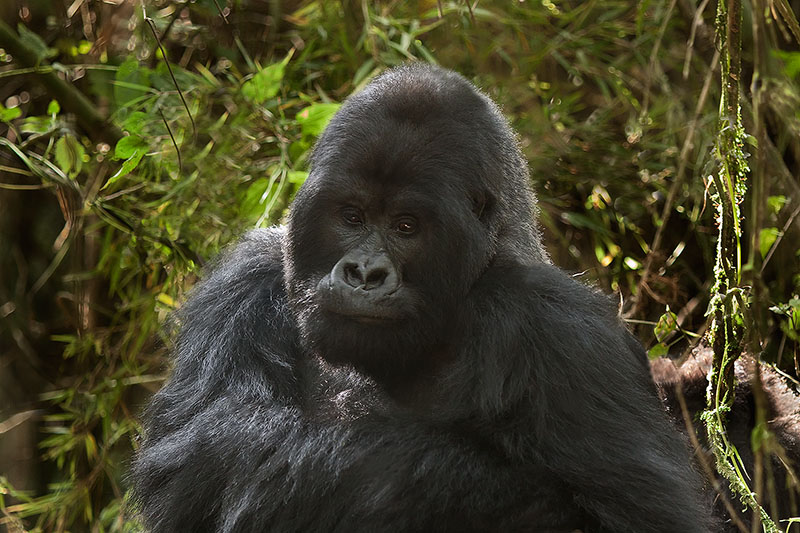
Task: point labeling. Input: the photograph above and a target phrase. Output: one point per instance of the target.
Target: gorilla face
(379, 266)
(394, 225)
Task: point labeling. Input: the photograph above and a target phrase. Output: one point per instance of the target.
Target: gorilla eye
(352, 216)
(407, 226)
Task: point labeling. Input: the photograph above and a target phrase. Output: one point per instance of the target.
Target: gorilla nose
(366, 271)
(365, 277)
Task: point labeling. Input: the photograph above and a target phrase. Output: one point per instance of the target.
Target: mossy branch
(726, 307)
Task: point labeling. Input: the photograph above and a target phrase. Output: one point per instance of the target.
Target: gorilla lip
(366, 309)
(369, 319)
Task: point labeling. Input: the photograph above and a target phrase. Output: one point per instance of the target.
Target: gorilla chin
(390, 351)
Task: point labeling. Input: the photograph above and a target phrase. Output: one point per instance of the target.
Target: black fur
(469, 385)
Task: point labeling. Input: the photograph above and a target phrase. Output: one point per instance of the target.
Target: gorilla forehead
(393, 151)
(397, 168)
(414, 122)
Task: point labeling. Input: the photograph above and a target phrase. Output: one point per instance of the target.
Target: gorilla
(403, 357)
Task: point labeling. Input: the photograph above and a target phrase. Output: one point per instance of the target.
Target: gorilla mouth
(369, 319)
(360, 306)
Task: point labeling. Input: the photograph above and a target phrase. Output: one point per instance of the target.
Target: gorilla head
(417, 186)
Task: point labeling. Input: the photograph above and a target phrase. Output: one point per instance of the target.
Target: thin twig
(697, 20)
(152, 25)
(174, 143)
(774, 246)
(703, 461)
(221, 12)
(471, 14)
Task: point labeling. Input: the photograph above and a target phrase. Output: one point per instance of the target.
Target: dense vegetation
(137, 139)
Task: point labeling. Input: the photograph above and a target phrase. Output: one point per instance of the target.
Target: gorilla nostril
(375, 278)
(352, 275)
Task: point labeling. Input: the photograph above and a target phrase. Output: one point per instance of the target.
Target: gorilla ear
(482, 204)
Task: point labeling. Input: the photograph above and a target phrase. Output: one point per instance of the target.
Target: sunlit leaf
(135, 122)
(255, 198)
(127, 146)
(767, 238)
(667, 324)
(298, 177)
(265, 84)
(127, 167)
(9, 114)
(314, 118)
(659, 350)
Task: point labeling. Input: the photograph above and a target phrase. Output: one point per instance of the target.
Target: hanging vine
(727, 299)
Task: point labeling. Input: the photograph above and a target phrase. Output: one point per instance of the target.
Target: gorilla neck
(399, 370)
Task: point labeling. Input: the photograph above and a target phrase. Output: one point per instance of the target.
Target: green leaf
(314, 118)
(659, 350)
(132, 80)
(667, 323)
(255, 198)
(298, 148)
(297, 177)
(69, 155)
(767, 238)
(781, 309)
(776, 203)
(128, 146)
(53, 108)
(36, 125)
(166, 299)
(582, 221)
(265, 84)
(127, 167)
(9, 114)
(791, 62)
(135, 122)
(34, 43)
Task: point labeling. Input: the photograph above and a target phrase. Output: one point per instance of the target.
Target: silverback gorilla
(403, 357)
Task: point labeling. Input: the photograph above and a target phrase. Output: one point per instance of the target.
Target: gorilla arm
(555, 359)
(236, 440)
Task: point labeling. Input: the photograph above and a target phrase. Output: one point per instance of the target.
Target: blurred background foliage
(138, 138)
